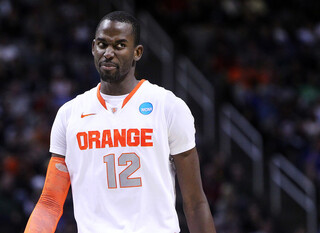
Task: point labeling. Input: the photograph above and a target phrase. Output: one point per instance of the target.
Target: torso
(119, 165)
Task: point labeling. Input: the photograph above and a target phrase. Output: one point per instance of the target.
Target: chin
(111, 78)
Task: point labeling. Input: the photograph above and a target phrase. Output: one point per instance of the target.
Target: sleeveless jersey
(122, 178)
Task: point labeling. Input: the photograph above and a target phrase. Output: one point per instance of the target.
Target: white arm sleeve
(180, 122)
(58, 133)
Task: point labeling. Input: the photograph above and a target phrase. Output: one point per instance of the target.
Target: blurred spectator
(265, 52)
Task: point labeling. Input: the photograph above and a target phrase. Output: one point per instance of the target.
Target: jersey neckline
(125, 101)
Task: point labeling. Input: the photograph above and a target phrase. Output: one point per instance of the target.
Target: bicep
(180, 123)
(188, 174)
(57, 155)
(58, 143)
(195, 205)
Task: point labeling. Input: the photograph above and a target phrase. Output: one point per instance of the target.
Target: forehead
(115, 30)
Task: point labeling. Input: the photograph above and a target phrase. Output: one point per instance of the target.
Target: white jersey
(119, 163)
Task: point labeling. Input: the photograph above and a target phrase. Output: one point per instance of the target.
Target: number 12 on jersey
(132, 161)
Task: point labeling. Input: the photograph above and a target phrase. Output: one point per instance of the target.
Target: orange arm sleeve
(47, 212)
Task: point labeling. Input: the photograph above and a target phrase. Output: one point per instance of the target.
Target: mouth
(108, 66)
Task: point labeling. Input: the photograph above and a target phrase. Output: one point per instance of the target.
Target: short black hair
(124, 17)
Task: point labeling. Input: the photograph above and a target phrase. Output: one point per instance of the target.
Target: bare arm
(195, 204)
(47, 212)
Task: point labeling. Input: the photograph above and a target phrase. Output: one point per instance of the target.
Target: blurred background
(248, 69)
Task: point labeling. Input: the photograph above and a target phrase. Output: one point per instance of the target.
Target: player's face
(114, 51)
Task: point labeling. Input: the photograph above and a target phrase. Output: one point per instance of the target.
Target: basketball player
(120, 145)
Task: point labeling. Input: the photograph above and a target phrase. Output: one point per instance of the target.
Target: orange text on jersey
(114, 138)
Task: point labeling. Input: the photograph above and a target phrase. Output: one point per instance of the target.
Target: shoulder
(79, 100)
(159, 92)
(151, 87)
(172, 104)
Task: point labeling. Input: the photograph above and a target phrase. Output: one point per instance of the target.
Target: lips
(108, 65)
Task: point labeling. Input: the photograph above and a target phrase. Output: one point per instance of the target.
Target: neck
(119, 88)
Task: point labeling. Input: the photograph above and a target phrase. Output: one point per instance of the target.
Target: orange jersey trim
(132, 93)
(103, 102)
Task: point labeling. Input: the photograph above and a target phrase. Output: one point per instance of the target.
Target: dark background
(261, 56)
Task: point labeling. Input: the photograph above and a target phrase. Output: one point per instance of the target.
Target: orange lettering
(94, 137)
(145, 137)
(84, 136)
(119, 137)
(106, 138)
(133, 138)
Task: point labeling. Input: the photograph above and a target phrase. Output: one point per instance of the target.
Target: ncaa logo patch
(146, 108)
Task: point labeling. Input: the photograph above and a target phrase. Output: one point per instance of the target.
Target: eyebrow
(117, 41)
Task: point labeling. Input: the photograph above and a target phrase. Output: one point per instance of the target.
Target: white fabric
(148, 206)
(114, 101)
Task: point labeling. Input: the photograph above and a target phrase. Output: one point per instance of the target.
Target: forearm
(43, 220)
(199, 218)
(195, 204)
(47, 212)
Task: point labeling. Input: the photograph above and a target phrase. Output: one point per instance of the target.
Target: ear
(92, 47)
(138, 52)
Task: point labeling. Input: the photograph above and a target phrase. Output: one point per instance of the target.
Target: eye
(120, 46)
(101, 44)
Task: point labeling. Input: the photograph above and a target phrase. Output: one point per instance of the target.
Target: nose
(109, 53)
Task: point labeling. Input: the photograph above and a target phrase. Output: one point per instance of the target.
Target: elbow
(50, 203)
(193, 205)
